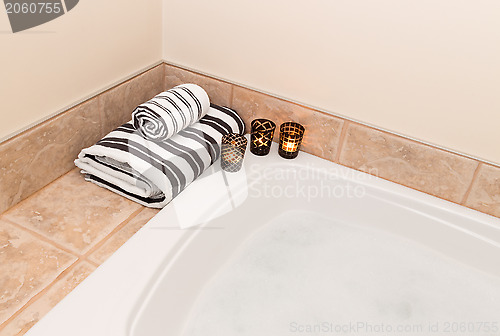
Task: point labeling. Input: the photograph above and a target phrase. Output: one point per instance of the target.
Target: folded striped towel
(152, 173)
(171, 111)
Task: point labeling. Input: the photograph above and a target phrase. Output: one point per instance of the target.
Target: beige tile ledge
(117, 239)
(45, 242)
(484, 195)
(409, 163)
(37, 157)
(72, 212)
(27, 266)
(22, 321)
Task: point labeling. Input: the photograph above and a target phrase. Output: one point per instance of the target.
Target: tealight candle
(291, 135)
(232, 152)
(261, 136)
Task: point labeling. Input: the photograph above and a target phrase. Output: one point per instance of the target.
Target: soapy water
(303, 274)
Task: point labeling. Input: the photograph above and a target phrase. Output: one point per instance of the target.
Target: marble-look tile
(34, 312)
(40, 155)
(27, 265)
(72, 212)
(485, 192)
(407, 162)
(322, 133)
(118, 103)
(124, 234)
(218, 91)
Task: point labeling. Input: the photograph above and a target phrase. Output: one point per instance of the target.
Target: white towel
(171, 111)
(152, 173)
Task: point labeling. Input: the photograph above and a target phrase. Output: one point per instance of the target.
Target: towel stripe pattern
(150, 172)
(171, 111)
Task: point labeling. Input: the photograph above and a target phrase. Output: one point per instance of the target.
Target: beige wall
(98, 43)
(428, 69)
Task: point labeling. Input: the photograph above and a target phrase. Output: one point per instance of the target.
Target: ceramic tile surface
(27, 265)
(118, 103)
(40, 155)
(485, 192)
(403, 161)
(218, 91)
(34, 312)
(124, 234)
(72, 212)
(322, 133)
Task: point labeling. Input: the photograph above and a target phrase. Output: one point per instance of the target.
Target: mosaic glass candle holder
(233, 152)
(261, 136)
(291, 135)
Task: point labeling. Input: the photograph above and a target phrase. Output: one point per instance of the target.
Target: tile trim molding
(334, 139)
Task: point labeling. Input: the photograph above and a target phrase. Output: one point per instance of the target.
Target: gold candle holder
(233, 152)
(291, 135)
(261, 136)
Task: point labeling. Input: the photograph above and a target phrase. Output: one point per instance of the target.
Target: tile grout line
(469, 189)
(231, 95)
(164, 79)
(342, 137)
(38, 295)
(93, 263)
(87, 254)
(101, 117)
(42, 237)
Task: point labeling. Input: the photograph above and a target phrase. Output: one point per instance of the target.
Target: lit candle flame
(289, 146)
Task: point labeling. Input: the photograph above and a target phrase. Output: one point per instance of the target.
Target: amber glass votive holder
(261, 136)
(233, 152)
(291, 135)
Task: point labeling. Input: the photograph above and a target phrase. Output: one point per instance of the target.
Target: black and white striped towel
(171, 111)
(152, 173)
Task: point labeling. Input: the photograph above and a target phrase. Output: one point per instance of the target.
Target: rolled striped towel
(171, 111)
(152, 173)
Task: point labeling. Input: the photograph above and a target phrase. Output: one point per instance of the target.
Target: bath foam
(307, 274)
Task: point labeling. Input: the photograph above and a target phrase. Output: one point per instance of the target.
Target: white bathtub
(161, 280)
